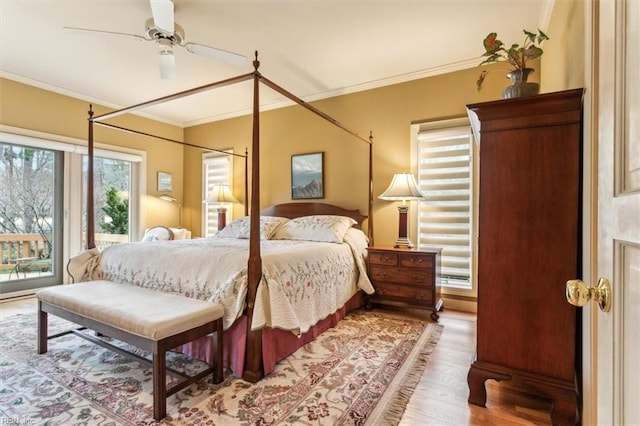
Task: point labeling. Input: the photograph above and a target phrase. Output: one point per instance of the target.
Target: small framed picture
(165, 182)
(307, 176)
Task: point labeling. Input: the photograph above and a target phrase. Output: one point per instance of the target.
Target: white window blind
(217, 169)
(445, 218)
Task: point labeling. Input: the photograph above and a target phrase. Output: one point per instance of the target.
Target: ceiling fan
(163, 30)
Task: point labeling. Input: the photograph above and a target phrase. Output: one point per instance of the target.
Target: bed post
(335, 122)
(91, 236)
(246, 182)
(253, 370)
(370, 213)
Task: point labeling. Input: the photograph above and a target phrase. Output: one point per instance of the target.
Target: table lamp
(403, 188)
(221, 194)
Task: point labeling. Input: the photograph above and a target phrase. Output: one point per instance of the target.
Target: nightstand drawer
(405, 292)
(416, 260)
(405, 278)
(402, 275)
(383, 258)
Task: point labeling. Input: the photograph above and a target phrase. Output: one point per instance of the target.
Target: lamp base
(403, 243)
(222, 218)
(403, 228)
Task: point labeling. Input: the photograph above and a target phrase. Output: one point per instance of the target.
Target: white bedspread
(303, 282)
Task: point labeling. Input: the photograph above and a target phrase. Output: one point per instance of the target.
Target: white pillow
(323, 228)
(181, 233)
(157, 233)
(357, 238)
(240, 228)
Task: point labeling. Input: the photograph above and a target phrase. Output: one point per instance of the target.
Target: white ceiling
(313, 48)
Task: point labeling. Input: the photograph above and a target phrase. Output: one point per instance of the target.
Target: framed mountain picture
(307, 176)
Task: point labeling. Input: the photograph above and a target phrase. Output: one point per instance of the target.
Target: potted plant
(516, 56)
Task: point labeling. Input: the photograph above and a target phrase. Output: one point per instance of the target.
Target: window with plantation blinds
(216, 169)
(445, 218)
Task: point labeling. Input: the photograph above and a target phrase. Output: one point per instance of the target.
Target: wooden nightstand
(405, 277)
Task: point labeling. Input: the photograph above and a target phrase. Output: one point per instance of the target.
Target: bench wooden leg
(218, 376)
(43, 329)
(159, 382)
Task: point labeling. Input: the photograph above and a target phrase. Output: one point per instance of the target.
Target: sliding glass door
(30, 217)
(43, 208)
(112, 192)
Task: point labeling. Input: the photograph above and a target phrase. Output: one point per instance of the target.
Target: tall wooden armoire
(529, 246)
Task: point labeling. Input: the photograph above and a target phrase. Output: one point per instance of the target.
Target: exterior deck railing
(14, 247)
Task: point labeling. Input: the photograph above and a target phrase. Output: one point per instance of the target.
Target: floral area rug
(362, 371)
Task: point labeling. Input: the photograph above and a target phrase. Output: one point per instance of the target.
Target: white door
(614, 396)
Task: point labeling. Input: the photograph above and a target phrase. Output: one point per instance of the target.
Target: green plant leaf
(491, 43)
(492, 57)
(542, 36)
(516, 55)
(532, 52)
(481, 78)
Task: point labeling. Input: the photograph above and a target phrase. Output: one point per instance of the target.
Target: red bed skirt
(276, 344)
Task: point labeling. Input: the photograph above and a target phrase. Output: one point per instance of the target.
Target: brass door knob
(578, 293)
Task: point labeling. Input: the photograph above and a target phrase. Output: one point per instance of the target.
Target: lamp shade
(403, 187)
(220, 194)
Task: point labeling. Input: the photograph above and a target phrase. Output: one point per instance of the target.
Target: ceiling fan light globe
(167, 64)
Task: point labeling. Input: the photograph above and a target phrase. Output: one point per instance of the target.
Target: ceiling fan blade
(163, 18)
(219, 54)
(85, 30)
(167, 63)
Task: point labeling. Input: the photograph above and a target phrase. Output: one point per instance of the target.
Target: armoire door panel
(529, 245)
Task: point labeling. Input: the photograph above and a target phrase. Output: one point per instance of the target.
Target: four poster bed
(286, 273)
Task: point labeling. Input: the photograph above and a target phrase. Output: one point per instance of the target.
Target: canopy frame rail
(253, 365)
(173, 97)
(244, 156)
(90, 240)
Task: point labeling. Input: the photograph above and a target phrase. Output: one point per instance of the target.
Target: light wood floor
(441, 397)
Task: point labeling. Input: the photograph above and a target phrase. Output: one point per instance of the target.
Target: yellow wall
(563, 62)
(388, 112)
(35, 109)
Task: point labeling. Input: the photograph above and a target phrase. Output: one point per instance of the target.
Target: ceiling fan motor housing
(158, 34)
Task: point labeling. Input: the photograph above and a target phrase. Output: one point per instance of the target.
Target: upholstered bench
(150, 320)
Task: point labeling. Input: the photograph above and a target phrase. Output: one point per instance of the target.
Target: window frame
(465, 294)
(207, 209)
(71, 194)
(134, 161)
